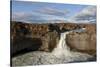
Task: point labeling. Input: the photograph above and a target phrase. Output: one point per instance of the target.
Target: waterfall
(62, 43)
(63, 49)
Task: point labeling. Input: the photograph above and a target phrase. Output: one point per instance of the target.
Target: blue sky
(32, 11)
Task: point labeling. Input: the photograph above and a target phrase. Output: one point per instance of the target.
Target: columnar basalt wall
(46, 36)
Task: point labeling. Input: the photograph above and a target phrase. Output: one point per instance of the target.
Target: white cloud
(20, 15)
(34, 16)
(53, 11)
(88, 14)
(40, 15)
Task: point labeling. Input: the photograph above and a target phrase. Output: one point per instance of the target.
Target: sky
(42, 11)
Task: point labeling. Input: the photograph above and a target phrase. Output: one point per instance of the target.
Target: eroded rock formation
(46, 36)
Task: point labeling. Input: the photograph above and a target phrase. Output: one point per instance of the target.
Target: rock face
(44, 37)
(32, 37)
(83, 42)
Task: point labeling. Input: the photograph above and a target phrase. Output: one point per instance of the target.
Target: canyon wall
(45, 37)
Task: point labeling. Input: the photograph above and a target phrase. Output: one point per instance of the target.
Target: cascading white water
(62, 48)
(62, 43)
